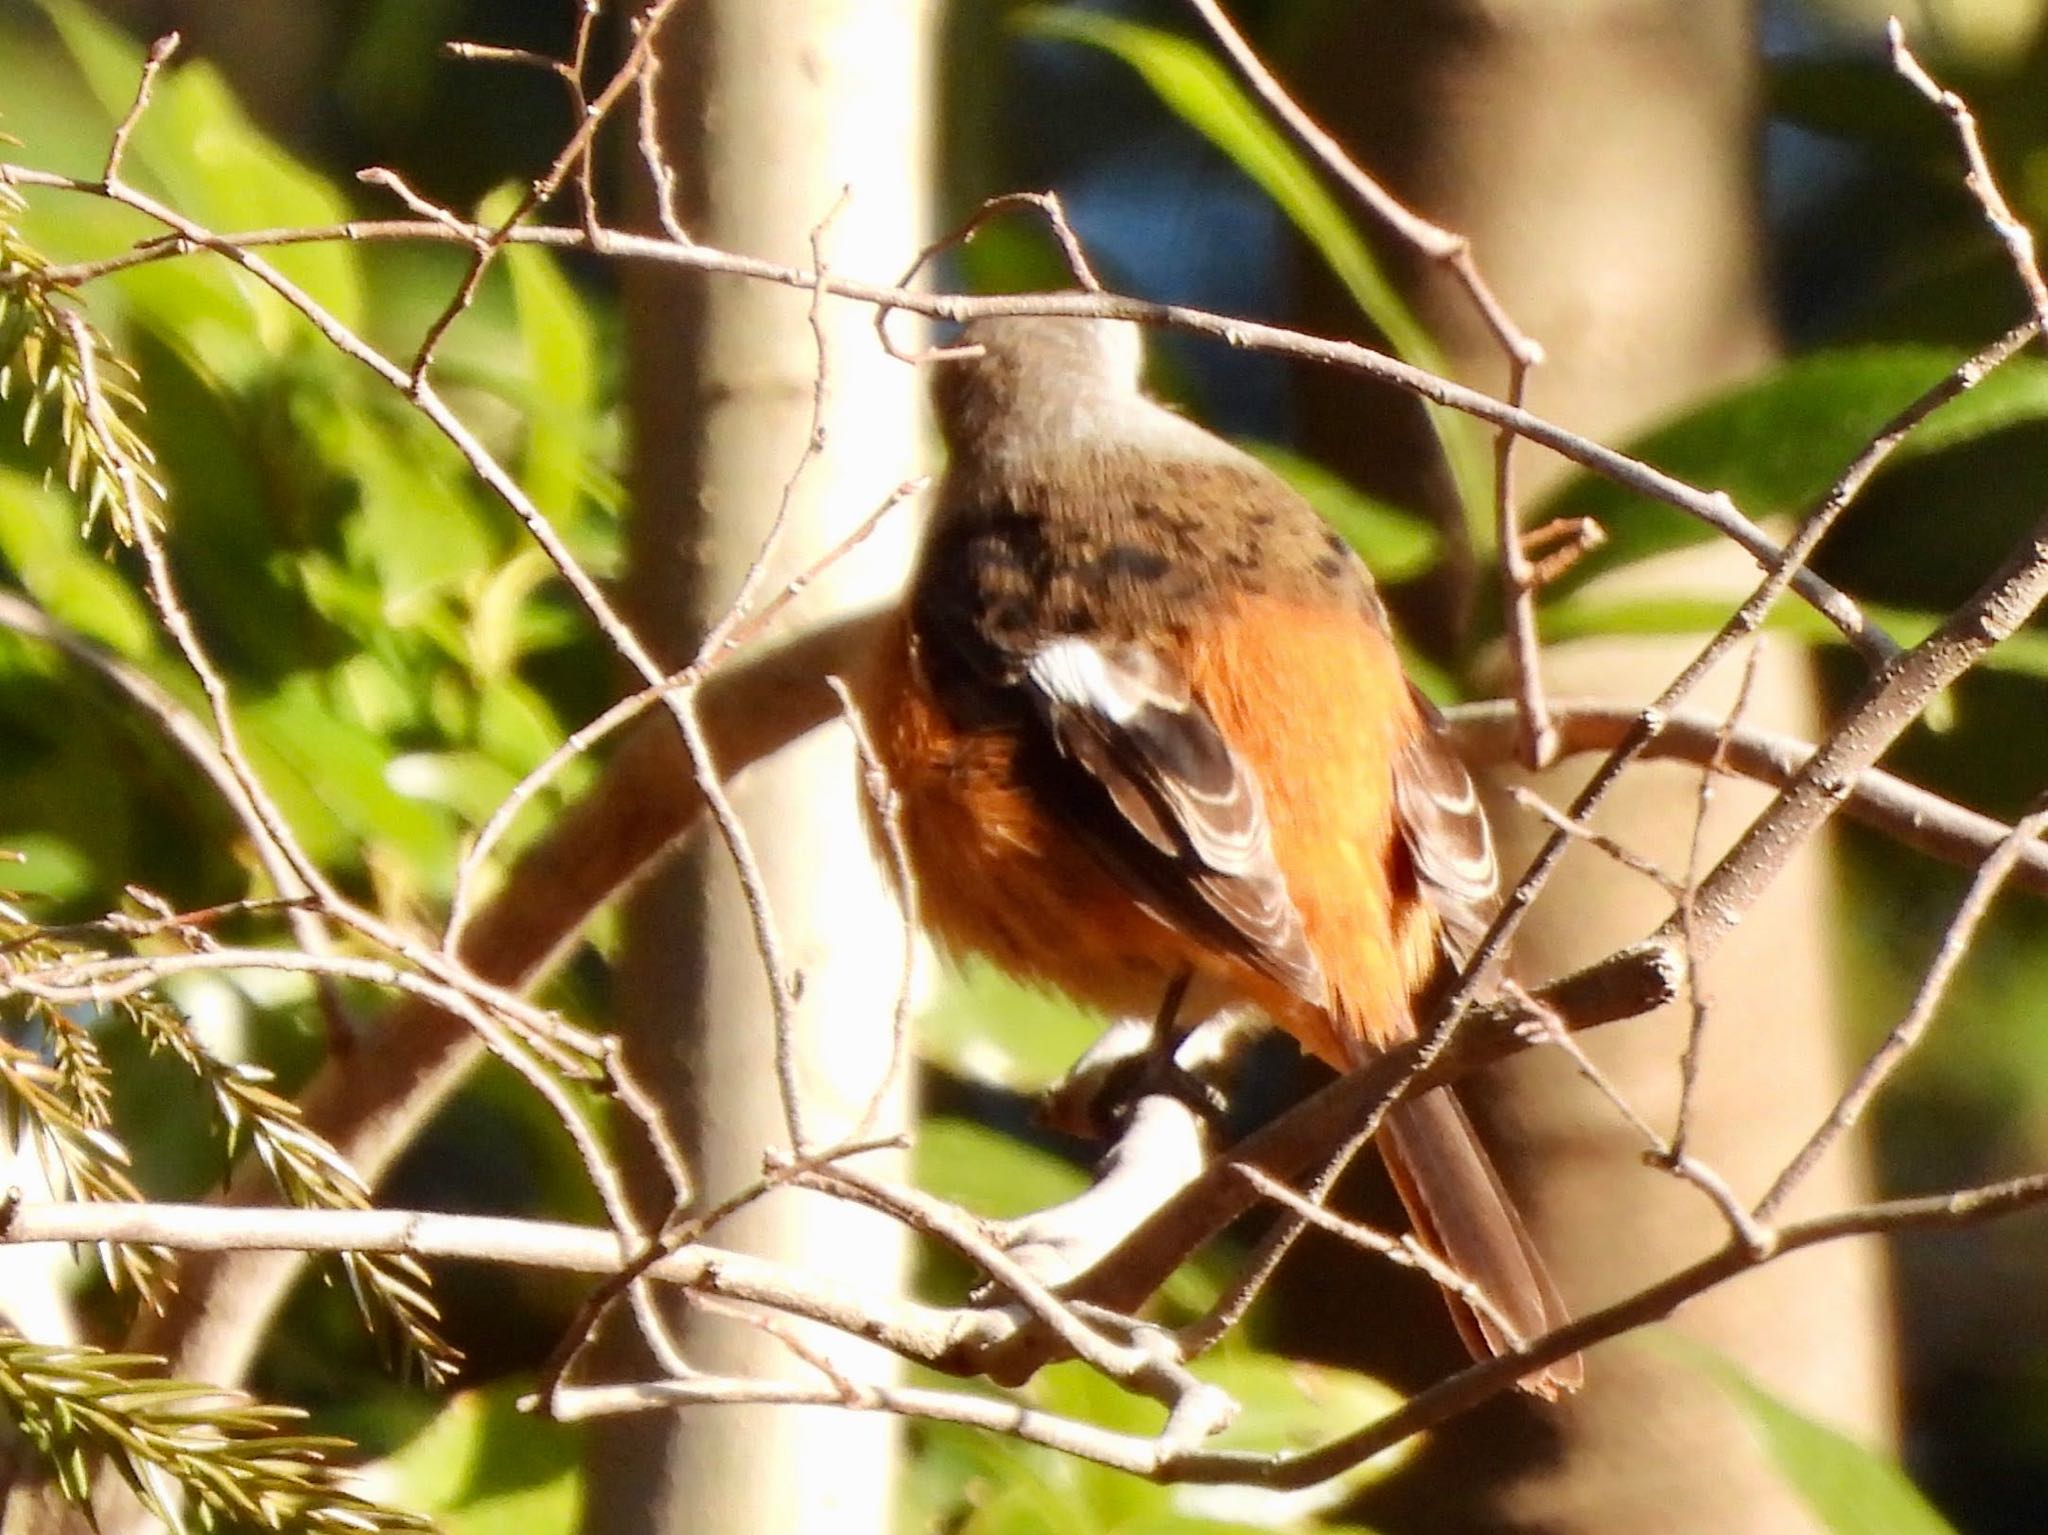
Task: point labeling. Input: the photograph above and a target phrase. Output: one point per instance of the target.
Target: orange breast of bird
(1312, 700)
(997, 869)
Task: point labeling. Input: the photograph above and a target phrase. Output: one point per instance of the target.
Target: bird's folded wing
(1448, 840)
(1184, 821)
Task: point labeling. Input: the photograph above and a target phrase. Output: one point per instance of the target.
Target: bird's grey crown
(1044, 388)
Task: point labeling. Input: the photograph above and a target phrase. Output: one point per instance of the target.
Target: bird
(1152, 746)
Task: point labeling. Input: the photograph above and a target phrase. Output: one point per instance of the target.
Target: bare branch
(729, 709)
(1715, 509)
(936, 1335)
(1955, 943)
(159, 55)
(2014, 235)
(1433, 240)
(1890, 703)
(1519, 582)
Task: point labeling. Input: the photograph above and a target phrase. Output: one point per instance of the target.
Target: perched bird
(1153, 747)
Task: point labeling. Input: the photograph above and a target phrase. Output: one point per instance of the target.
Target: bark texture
(771, 108)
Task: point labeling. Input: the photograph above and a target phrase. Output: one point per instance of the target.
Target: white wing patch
(1074, 674)
(1126, 716)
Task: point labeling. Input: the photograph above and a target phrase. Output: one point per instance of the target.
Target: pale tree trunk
(1602, 157)
(771, 108)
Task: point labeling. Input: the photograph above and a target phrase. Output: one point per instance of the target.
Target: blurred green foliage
(1850, 1488)
(397, 650)
(400, 655)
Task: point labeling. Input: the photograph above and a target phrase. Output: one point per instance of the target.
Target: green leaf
(1294, 1404)
(992, 1174)
(467, 782)
(39, 541)
(216, 166)
(560, 348)
(1198, 89)
(1850, 1488)
(1286, 1405)
(37, 864)
(1777, 444)
(987, 1028)
(964, 1479)
(328, 775)
(516, 726)
(482, 1467)
(500, 631)
(1398, 545)
(417, 527)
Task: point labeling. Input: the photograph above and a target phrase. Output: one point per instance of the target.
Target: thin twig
(767, 935)
(887, 809)
(1403, 1251)
(647, 128)
(1559, 544)
(259, 813)
(631, 707)
(2012, 233)
(1529, 800)
(720, 634)
(1671, 1154)
(645, 1107)
(579, 105)
(1698, 1001)
(1139, 1369)
(1657, 1151)
(387, 180)
(1047, 204)
(493, 53)
(159, 55)
(1518, 583)
(1955, 943)
(572, 154)
(1715, 509)
(677, 1233)
(1441, 245)
(1230, 1308)
(1210, 1329)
